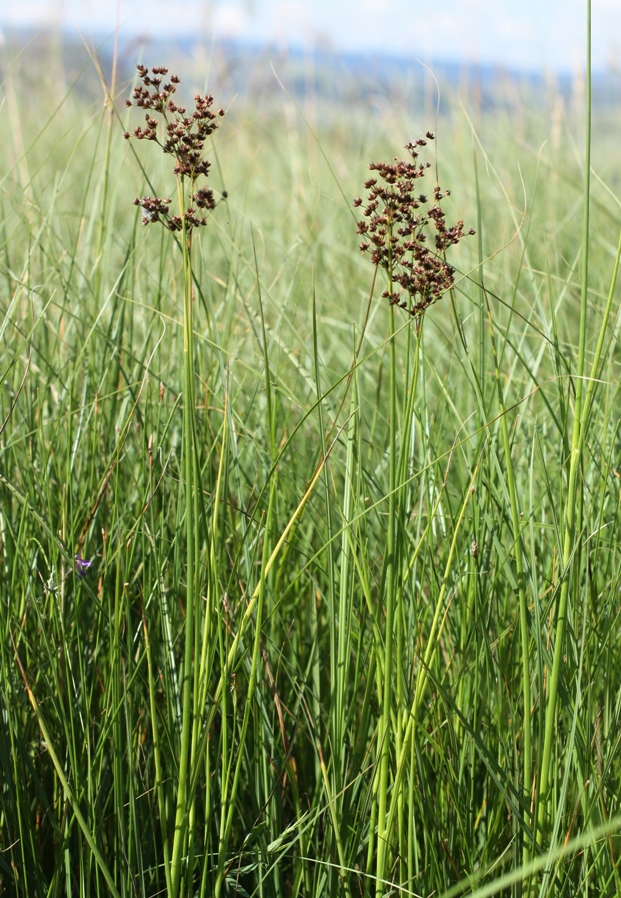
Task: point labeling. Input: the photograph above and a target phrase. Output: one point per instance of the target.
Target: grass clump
(280, 568)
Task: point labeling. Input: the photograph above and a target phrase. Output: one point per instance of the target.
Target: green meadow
(300, 594)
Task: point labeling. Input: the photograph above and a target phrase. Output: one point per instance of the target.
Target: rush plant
(182, 136)
(397, 221)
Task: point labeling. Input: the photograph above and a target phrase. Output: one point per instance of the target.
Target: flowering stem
(181, 816)
(406, 839)
(384, 732)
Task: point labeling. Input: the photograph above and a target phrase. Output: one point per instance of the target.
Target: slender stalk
(157, 757)
(250, 699)
(329, 549)
(408, 423)
(522, 599)
(422, 675)
(574, 469)
(345, 599)
(179, 839)
(385, 722)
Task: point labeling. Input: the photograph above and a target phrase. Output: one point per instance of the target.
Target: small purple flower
(82, 565)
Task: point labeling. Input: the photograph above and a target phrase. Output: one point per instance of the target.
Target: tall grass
(404, 651)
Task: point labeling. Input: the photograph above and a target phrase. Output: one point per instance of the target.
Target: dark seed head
(397, 231)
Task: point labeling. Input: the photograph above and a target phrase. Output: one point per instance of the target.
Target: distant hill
(322, 75)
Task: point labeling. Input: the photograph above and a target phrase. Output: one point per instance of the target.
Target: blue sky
(518, 33)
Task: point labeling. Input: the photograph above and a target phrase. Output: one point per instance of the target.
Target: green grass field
(351, 623)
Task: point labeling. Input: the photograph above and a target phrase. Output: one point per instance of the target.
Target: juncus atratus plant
(183, 136)
(397, 219)
(396, 227)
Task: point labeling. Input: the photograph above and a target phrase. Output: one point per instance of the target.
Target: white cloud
(29, 14)
(230, 21)
(367, 7)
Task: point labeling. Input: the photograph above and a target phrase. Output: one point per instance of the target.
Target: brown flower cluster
(395, 225)
(183, 137)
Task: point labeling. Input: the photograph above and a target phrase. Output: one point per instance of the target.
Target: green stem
(384, 732)
(179, 838)
(250, 700)
(576, 452)
(523, 603)
(157, 756)
(402, 476)
(422, 675)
